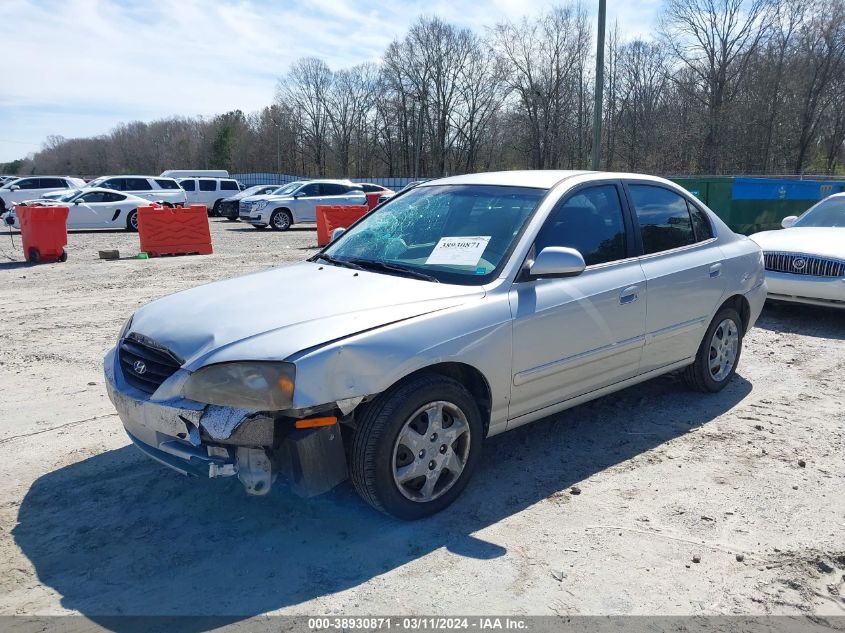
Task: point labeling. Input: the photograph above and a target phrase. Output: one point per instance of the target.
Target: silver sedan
(459, 309)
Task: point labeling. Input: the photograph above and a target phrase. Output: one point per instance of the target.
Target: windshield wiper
(393, 268)
(339, 262)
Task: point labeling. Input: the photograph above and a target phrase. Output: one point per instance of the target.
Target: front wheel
(718, 355)
(416, 447)
(281, 220)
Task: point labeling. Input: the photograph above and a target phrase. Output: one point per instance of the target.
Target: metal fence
(258, 178)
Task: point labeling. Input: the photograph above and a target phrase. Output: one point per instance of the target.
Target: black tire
(280, 220)
(699, 375)
(372, 461)
(34, 255)
(215, 209)
(63, 256)
(132, 221)
(2, 206)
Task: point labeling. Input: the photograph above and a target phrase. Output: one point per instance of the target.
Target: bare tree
(715, 39)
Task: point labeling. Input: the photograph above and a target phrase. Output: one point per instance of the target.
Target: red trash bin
(43, 232)
(372, 198)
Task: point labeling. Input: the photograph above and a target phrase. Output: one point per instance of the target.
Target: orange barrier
(174, 231)
(330, 218)
(43, 232)
(372, 199)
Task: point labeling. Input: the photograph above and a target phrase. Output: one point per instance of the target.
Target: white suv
(153, 188)
(297, 202)
(209, 191)
(29, 188)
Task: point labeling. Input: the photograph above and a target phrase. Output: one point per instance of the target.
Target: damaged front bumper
(213, 441)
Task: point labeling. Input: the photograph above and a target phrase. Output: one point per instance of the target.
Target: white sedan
(805, 262)
(97, 208)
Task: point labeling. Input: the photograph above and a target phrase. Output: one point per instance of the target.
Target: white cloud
(80, 66)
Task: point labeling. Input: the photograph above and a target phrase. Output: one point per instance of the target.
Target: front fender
(478, 334)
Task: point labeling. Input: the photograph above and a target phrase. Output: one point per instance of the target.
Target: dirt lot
(89, 525)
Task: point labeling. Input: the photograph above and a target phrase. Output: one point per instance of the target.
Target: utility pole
(419, 138)
(597, 107)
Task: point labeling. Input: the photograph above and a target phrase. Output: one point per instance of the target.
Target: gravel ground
(655, 500)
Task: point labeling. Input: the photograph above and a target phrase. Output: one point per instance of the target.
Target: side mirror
(9, 219)
(76, 201)
(14, 187)
(338, 232)
(557, 261)
(789, 221)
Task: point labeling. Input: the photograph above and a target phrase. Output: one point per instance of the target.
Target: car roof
(539, 178)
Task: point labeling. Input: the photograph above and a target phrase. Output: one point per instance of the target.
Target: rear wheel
(416, 447)
(132, 220)
(718, 355)
(34, 255)
(281, 220)
(63, 256)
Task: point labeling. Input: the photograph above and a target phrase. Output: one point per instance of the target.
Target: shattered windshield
(451, 233)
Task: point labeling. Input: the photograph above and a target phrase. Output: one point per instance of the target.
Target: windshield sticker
(458, 251)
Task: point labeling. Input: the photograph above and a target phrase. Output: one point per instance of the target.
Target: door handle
(715, 270)
(629, 295)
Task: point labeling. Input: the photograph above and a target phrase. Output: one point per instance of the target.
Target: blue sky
(79, 67)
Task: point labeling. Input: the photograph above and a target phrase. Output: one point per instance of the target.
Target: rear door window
(167, 183)
(591, 222)
(206, 184)
(664, 218)
(333, 189)
(700, 223)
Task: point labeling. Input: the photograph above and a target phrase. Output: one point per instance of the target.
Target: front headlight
(261, 385)
(260, 205)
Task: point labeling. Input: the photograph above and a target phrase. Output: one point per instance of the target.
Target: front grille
(145, 364)
(228, 208)
(798, 264)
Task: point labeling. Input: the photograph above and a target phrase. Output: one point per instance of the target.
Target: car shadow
(117, 534)
(808, 320)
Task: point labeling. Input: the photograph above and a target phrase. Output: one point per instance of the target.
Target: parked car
(95, 208)
(463, 308)
(805, 261)
(30, 187)
(229, 208)
(164, 190)
(209, 191)
(410, 185)
(371, 188)
(195, 173)
(294, 204)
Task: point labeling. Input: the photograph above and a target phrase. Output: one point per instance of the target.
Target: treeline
(726, 86)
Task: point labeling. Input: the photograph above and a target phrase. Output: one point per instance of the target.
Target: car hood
(276, 313)
(809, 240)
